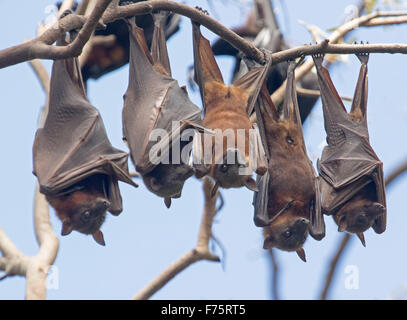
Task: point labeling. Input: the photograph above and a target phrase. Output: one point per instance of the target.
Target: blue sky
(147, 237)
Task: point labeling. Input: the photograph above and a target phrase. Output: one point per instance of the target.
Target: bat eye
(224, 168)
(85, 216)
(287, 234)
(289, 140)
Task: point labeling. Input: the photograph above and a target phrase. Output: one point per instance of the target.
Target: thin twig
(275, 295)
(41, 47)
(315, 94)
(200, 252)
(334, 263)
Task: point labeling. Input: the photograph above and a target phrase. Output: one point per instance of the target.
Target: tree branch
(41, 47)
(200, 252)
(35, 269)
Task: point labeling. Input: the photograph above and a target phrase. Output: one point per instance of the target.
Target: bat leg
(301, 253)
(167, 201)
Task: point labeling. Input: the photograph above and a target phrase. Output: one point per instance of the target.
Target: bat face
(83, 209)
(288, 232)
(287, 204)
(360, 212)
(352, 182)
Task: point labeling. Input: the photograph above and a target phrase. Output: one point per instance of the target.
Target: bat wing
(379, 225)
(317, 223)
(152, 102)
(73, 143)
(260, 200)
(253, 81)
(205, 67)
(335, 116)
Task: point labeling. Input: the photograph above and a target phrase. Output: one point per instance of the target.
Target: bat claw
(202, 10)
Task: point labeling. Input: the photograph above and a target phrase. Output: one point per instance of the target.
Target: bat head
(234, 171)
(82, 211)
(358, 215)
(287, 232)
(167, 180)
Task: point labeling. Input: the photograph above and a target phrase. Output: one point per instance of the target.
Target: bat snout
(102, 204)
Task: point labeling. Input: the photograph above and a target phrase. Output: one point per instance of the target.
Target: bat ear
(251, 184)
(66, 227)
(301, 254)
(98, 236)
(361, 238)
(201, 170)
(268, 243)
(167, 201)
(342, 225)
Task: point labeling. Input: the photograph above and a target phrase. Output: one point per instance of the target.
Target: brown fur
(225, 108)
(70, 206)
(291, 179)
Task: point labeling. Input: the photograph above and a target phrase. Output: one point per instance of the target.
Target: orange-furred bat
(77, 168)
(287, 204)
(153, 102)
(226, 110)
(352, 183)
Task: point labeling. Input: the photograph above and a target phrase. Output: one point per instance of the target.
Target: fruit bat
(77, 168)
(152, 103)
(235, 149)
(352, 183)
(107, 56)
(262, 29)
(287, 204)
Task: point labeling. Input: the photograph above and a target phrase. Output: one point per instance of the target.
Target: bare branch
(315, 94)
(396, 173)
(275, 295)
(334, 263)
(200, 252)
(41, 47)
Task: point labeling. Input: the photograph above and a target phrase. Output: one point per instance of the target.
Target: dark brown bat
(352, 184)
(77, 168)
(226, 112)
(287, 204)
(107, 56)
(153, 101)
(262, 29)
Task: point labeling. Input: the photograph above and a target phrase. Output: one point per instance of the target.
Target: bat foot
(362, 56)
(202, 10)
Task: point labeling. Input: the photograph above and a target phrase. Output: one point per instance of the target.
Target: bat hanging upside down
(235, 149)
(153, 102)
(77, 168)
(352, 184)
(287, 204)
